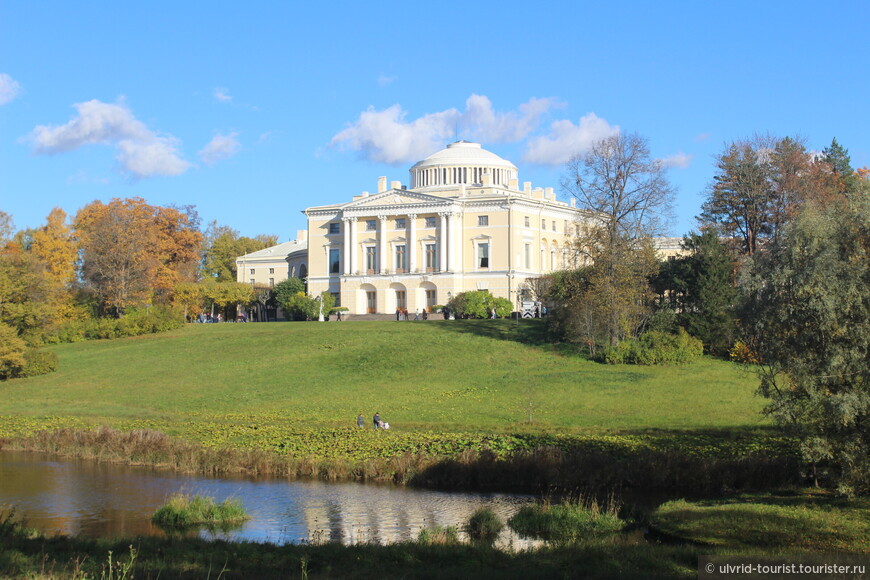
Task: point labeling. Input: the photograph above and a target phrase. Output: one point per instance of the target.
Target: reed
(185, 511)
(569, 521)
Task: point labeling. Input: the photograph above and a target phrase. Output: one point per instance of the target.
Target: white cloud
(9, 88)
(680, 160)
(219, 148)
(141, 152)
(384, 80)
(567, 139)
(386, 136)
(223, 95)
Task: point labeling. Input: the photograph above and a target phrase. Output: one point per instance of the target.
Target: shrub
(136, 322)
(484, 525)
(479, 304)
(11, 352)
(39, 362)
(655, 348)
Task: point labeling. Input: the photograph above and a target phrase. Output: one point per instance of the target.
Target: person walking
(377, 420)
(360, 421)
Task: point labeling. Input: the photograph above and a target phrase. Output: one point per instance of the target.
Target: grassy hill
(444, 375)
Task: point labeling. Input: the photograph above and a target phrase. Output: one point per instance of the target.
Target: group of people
(379, 424)
(205, 317)
(402, 314)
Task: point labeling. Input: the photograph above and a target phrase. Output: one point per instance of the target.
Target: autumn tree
(25, 293)
(7, 227)
(133, 253)
(627, 196)
(806, 315)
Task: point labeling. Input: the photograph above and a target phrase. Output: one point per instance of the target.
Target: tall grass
(184, 511)
(570, 521)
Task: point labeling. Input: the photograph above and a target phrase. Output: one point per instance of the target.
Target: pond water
(104, 500)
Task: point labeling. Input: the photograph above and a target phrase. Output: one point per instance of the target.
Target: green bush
(12, 350)
(484, 525)
(39, 362)
(439, 535)
(134, 323)
(479, 304)
(655, 348)
(567, 522)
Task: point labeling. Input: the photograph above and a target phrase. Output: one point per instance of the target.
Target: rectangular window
(483, 220)
(401, 301)
(431, 298)
(430, 222)
(271, 282)
(337, 297)
(371, 225)
(483, 255)
(252, 281)
(335, 228)
(528, 256)
(252, 271)
(554, 225)
(401, 264)
(431, 258)
(400, 224)
(371, 259)
(543, 224)
(271, 270)
(334, 260)
(527, 221)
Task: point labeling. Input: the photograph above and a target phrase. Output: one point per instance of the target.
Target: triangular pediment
(396, 197)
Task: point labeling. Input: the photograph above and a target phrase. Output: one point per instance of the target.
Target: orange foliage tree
(134, 253)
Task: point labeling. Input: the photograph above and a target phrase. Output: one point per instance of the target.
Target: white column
(382, 244)
(442, 243)
(346, 249)
(454, 229)
(412, 242)
(353, 247)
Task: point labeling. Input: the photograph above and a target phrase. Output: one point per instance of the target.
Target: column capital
(347, 219)
(383, 218)
(412, 216)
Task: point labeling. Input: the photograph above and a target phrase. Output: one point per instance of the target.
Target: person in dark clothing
(377, 420)
(360, 421)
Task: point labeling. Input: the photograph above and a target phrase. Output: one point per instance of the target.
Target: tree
(119, 251)
(25, 293)
(55, 246)
(840, 164)
(627, 195)
(700, 288)
(11, 352)
(806, 314)
(223, 245)
(285, 290)
(133, 253)
(7, 226)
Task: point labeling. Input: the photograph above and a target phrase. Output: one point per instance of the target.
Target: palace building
(462, 224)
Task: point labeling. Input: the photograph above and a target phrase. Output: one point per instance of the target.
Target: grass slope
(469, 375)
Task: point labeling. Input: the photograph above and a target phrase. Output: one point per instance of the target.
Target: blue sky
(253, 111)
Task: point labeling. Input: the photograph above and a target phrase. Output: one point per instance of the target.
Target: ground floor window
(371, 302)
(431, 299)
(483, 255)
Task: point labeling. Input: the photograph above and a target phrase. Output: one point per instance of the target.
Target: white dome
(462, 162)
(464, 153)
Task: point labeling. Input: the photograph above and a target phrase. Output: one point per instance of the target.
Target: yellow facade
(466, 226)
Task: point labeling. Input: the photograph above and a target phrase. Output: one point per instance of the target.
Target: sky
(253, 111)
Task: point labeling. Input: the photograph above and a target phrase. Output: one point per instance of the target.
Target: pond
(104, 500)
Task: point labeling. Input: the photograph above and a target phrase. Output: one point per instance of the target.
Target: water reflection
(100, 500)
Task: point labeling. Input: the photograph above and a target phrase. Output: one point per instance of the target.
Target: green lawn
(445, 375)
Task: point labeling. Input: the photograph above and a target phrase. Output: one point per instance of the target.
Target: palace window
(431, 258)
(271, 270)
(527, 221)
(371, 225)
(528, 256)
(371, 259)
(334, 260)
(430, 222)
(401, 264)
(336, 296)
(483, 255)
(252, 271)
(400, 224)
(554, 225)
(483, 220)
(335, 228)
(543, 224)
(252, 281)
(271, 282)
